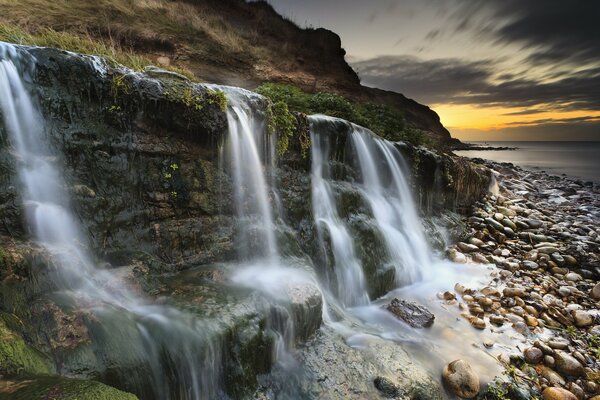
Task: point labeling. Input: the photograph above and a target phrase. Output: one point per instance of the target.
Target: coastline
(542, 232)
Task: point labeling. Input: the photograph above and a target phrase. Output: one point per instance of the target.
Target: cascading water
(392, 205)
(350, 279)
(384, 187)
(172, 357)
(247, 149)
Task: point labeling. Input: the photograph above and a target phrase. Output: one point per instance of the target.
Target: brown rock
(567, 364)
(461, 380)
(556, 393)
(595, 292)
(513, 292)
(533, 355)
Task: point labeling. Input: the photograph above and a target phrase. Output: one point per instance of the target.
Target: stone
(551, 376)
(387, 388)
(556, 393)
(531, 265)
(595, 292)
(412, 313)
(477, 323)
(460, 378)
(534, 223)
(570, 260)
(513, 292)
(456, 256)
(567, 364)
(494, 224)
(476, 242)
(466, 247)
(573, 277)
(582, 318)
(533, 355)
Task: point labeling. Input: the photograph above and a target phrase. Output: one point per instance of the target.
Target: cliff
(141, 159)
(231, 42)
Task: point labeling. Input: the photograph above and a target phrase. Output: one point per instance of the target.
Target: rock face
(412, 313)
(460, 378)
(141, 159)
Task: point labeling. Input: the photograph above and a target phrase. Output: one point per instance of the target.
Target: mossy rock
(57, 388)
(17, 358)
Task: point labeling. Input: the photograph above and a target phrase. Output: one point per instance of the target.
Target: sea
(580, 160)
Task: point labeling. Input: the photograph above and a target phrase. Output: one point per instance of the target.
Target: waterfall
(350, 279)
(392, 204)
(174, 357)
(248, 150)
(385, 189)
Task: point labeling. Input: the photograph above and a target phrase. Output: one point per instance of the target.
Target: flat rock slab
(412, 313)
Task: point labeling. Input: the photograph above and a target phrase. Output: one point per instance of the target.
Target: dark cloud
(434, 81)
(431, 35)
(556, 30)
(572, 120)
(461, 82)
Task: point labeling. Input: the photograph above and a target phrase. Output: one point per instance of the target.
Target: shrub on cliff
(383, 120)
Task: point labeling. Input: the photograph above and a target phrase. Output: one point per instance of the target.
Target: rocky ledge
(543, 234)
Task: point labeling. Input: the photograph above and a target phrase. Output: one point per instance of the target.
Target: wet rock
(460, 378)
(467, 248)
(412, 313)
(477, 323)
(567, 364)
(492, 223)
(533, 355)
(531, 265)
(457, 256)
(556, 393)
(387, 388)
(551, 376)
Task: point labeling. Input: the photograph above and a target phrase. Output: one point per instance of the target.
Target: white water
(349, 277)
(247, 149)
(385, 187)
(182, 358)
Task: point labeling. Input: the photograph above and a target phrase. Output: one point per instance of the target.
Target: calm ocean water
(575, 159)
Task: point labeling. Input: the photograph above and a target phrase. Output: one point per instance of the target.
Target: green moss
(183, 92)
(58, 388)
(119, 85)
(281, 122)
(17, 358)
(219, 98)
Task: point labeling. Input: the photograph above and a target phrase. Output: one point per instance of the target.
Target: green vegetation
(112, 52)
(384, 121)
(282, 122)
(59, 388)
(183, 92)
(17, 358)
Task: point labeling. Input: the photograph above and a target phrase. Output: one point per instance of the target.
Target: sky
(492, 69)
